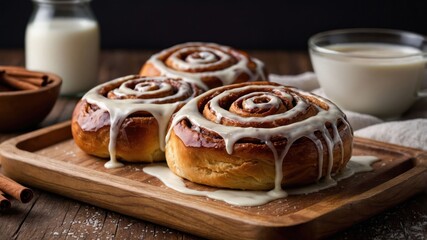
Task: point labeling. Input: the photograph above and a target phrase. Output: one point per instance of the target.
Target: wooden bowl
(23, 109)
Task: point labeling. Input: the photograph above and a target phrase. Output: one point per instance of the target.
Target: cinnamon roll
(207, 64)
(258, 136)
(127, 118)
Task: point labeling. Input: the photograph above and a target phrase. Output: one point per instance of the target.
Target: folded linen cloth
(410, 133)
(410, 130)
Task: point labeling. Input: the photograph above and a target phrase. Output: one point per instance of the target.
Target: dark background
(262, 24)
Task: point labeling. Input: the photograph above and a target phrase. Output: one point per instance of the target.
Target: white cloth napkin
(410, 130)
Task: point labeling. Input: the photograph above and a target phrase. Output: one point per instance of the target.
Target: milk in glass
(374, 78)
(64, 42)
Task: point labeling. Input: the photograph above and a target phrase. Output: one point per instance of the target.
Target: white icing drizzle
(330, 147)
(208, 57)
(292, 132)
(203, 57)
(210, 54)
(145, 89)
(250, 103)
(319, 147)
(278, 165)
(356, 164)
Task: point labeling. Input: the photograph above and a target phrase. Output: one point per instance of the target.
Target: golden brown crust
(138, 137)
(251, 166)
(213, 72)
(137, 141)
(199, 154)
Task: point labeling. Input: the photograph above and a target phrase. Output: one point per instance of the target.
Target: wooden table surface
(50, 216)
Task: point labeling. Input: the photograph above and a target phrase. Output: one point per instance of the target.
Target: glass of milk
(62, 37)
(372, 71)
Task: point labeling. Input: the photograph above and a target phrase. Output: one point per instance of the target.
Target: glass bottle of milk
(62, 37)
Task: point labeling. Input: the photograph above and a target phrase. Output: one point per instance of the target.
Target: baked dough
(237, 136)
(208, 65)
(135, 111)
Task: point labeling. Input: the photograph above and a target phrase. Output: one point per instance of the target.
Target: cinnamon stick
(23, 73)
(15, 189)
(22, 79)
(4, 202)
(40, 82)
(17, 83)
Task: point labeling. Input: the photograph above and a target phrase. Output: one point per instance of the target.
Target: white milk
(67, 47)
(371, 78)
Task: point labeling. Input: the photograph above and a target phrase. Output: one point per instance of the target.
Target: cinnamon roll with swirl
(207, 64)
(258, 136)
(127, 118)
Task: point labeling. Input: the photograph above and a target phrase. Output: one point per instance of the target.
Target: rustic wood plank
(46, 214)
(50, 159)
(405, 221)
(13, 219)
(91, 223)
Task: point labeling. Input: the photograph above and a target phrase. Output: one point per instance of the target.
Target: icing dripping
(305, 128)
(357, 164)
(161, 108)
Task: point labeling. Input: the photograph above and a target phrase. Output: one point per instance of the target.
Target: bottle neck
(45, 10)
(61, 2)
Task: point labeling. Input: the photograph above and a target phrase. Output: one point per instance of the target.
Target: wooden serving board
(49, 159)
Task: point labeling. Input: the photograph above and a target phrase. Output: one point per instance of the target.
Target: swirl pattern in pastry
(258, 136)
(127, 118)
(208, 65)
